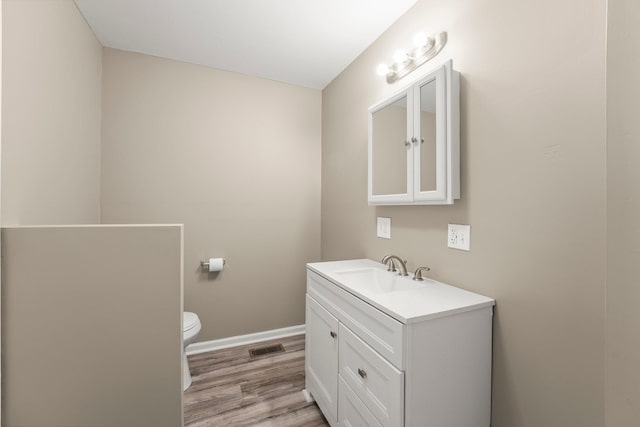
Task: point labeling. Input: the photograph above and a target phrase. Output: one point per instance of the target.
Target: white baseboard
(307, 396)
(205, 346)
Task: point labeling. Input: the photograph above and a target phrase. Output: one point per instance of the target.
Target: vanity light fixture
(426, 47)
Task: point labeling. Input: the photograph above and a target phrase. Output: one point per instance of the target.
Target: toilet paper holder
(205, 264)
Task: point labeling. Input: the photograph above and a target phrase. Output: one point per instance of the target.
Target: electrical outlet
(459, 237)
(384, 227)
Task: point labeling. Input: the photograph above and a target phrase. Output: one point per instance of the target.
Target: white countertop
(429, 299)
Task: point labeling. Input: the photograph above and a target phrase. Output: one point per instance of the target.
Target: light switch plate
(384, 227)
(459, 237)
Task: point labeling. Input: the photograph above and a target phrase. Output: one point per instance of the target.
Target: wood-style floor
(231, 389)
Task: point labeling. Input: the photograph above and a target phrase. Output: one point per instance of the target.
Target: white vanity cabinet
(405, 353)
(414, 143)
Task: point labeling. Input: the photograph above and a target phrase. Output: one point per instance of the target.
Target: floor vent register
(263, 351)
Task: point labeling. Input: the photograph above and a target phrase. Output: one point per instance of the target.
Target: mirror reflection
(389, 153)
(428, 136)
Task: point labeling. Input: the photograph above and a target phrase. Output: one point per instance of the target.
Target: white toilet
(190, 328)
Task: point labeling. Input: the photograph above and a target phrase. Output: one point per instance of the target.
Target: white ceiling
(303, 42)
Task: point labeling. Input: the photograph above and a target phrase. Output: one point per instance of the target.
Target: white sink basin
(377, 281)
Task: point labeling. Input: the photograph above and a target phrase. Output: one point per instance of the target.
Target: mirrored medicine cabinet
(414, 143)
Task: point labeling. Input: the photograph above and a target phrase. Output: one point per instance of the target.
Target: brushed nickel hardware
(390, 261)
(387, 261)
(407, 143)
(333, 334)
(418, 274)
(421, 140)
(362, 373)
(414, 139)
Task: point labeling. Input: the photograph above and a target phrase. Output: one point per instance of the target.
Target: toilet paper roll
(216, 264)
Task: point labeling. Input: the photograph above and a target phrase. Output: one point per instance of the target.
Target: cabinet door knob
(414, 139)
(333, 334)
(407, 143)
(362, 373)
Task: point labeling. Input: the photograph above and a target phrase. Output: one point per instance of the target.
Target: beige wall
(533, 190)
(237, 160)
(51, 115)
(623, 173)
(91, 326)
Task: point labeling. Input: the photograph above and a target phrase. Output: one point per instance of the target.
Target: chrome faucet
(390, 261)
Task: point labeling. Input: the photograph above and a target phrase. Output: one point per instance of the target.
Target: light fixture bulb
(382, 69)
(400, 56)
(420, 39)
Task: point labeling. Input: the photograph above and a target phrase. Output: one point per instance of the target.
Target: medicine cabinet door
(390, 150)
(430, 142)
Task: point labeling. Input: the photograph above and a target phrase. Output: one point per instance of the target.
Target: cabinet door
(430, 144)
(321, 358)
(390, 150)
(436, 155)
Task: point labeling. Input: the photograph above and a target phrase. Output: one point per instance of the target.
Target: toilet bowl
(190, 328)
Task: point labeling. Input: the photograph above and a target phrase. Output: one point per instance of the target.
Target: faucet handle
(418, 274)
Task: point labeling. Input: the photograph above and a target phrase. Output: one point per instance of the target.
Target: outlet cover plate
(459, 237)
(384, 227)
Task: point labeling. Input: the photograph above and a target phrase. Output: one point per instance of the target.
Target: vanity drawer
(351, 410)
(383, 333)
(378, 384)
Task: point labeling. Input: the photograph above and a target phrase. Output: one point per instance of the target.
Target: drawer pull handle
(333, 334)
(362, 373)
